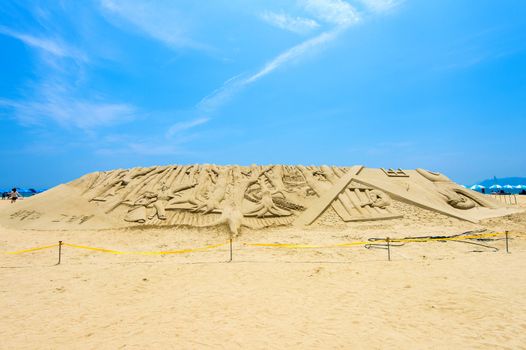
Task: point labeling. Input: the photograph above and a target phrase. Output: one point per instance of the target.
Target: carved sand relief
(78, 219)
(351, 200)
(236, 193)
(394, 173)
(257, 195)
(455, 195)
(25, 215)
(203, 195)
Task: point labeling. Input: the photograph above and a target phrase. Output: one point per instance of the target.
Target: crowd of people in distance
(12, 196)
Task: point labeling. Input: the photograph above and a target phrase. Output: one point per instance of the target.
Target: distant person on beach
(5, 195)
(14, 195)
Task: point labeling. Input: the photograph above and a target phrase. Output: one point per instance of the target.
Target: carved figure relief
(257, 196)
(394, 173)
(454, 195)
(138, 211)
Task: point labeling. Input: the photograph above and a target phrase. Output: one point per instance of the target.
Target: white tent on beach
(495, 187)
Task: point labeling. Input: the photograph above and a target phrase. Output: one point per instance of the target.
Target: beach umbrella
(476, 187)
(509, 187)
(520, 187)
(495, 187)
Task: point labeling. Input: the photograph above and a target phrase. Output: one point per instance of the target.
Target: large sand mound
(255, 197)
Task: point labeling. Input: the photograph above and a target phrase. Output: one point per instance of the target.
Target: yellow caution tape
(351, 244)
(307, 246)
(33, 249)
(181, 251)
(283, 245)
(271, 245)
(455, 238)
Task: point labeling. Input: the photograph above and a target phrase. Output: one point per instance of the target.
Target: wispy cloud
(58, 104)
(233, 85)
(379, 6)
(486, 45)
(159, 20)
(143, 146)
(141, 149)
(293, 24)
(54, 96)
(292, 53)
(185, 125)
(47, 45)
(337, 12)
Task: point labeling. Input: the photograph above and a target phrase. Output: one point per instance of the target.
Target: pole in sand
(507, 250)
(59, 252)
(230, 260)
(388, 249)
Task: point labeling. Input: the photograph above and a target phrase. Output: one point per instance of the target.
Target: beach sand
(433, 295)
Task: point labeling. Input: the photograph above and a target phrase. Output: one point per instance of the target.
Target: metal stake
(388, 249)
(507, 250)
(230, 249)
(59, 252)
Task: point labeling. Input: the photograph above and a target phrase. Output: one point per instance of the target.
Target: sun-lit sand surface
(430, 296)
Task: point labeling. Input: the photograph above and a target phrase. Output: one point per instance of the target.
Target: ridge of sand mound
(254, 197)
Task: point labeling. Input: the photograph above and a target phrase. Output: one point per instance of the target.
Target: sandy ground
(430, 296)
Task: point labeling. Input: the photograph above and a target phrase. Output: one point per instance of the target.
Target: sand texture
(297, 279)
(244, 198)
(430, 296)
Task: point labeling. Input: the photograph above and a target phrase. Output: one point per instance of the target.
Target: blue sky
(98, 85)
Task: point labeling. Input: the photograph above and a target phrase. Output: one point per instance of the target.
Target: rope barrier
(165, 252)
(117, 252)
(364, 243)
(33, 249)
(270, 245)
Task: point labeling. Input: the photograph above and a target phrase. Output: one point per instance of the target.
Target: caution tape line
(351, 244)
(166, 252)
(456, 238)
(270, 245)
(306, 246)
(33, 249)
(117, 252)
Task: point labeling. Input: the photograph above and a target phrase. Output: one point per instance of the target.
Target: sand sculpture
(251, 196)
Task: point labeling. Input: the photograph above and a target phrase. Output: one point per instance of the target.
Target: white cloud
(182, 126)
(160, 20)
(292, 53)
(141, 146)
(55, 102)
(54, 96)
(381, 5)
(221, 95)
(337, 12)
(147, 149)
(299, 25)
(50, 46)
